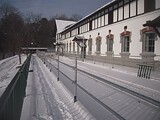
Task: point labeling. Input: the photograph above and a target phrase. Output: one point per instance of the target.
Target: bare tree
(11, 29)
(6, 9)
(76, 17)
(31, 17)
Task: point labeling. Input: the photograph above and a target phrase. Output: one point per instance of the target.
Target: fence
(12, 99)
(72, 84)
(116, 59)
(144, 71)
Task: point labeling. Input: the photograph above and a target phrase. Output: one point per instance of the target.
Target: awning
(155, 24)
(79, 39)
(58, 43)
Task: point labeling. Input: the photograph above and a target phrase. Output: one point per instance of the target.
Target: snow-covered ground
(124, 76)
(127, 106)
(47, 99)
(8, 69)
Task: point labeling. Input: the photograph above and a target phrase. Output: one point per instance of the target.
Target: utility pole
(83, 50)
(75, 87)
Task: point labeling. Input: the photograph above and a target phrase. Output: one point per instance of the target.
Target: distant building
(116, 34)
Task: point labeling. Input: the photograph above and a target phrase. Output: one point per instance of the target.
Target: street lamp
(59, 44)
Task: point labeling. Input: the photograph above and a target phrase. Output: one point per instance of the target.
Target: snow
(61, 24)
(8, 69)
(122, 76)
(117, 100)
(48, 99)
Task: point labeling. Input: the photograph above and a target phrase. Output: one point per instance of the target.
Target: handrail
(83, 89)
(12, 99)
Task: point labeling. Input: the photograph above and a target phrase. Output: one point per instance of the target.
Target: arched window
(98, 43)
(125, 41)
(109, 41)
(90, 44)
(148, 37)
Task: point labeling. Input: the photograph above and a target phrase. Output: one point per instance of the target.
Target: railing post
(58, 69)
(75, 88)
(44, 57)
(113, 61)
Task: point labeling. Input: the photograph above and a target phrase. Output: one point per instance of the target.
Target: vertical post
(58, 69)
(113, 61)
(83, 50)
(75, 88)
(44, 57)
(19, 58)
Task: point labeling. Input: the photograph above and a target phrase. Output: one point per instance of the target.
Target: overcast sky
(49, 8)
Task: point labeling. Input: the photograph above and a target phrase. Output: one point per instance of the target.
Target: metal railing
(12, 99)
(144, 71)
(57, 71)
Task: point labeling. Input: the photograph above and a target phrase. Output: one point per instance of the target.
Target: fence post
(75, 88)
(58, 69)
(113, 61)
(44, 57)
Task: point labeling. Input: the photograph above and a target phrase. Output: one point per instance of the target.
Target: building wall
(134, 25)
(157, 4)
(134, 22)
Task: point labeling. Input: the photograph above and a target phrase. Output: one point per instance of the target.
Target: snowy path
(148, 87)
(8, 69)
(47, 99)
(129, 107)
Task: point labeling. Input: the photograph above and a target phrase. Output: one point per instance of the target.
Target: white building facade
(116, 34)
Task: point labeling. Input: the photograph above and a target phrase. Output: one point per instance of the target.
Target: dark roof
(153, 23)
(107, 5)
(79, 39)
(34, 48)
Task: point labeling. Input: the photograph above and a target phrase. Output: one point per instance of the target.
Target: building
(115, 34)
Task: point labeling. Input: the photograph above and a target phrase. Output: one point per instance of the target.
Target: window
(125, 40)
(95, 22)
(149, 42)
(90, 44)
(102, 20)
(92, 24)
(125, 44)
(109, 41)
(98, 43)
(106, 19)
(148, 37)
(149, 5)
